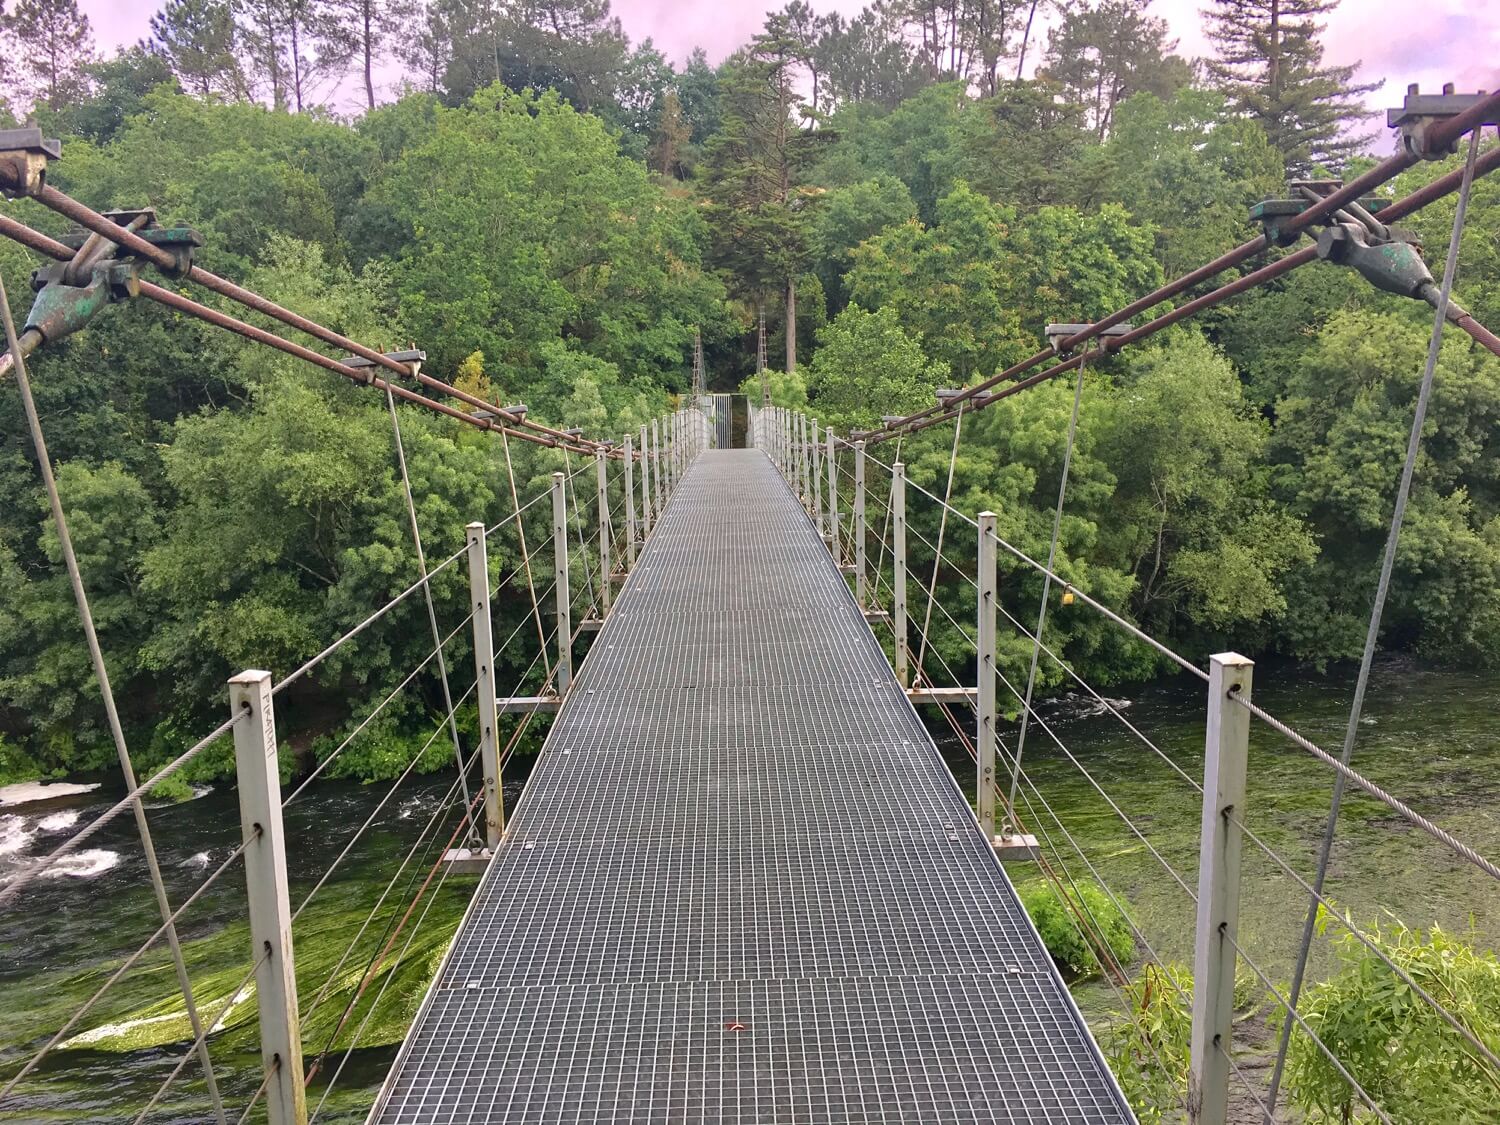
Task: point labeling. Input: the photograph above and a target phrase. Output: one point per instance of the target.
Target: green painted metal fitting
(61, 309)
(1394, 265)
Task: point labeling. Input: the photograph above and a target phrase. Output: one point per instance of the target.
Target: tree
(54, 45)
(363, 30)
(866, 366)
(671, 139)
(1022, 146)
(847, 216)
(198, 40)
(1270, 64)
(263, 40)
(1103, 54)
(751, 168)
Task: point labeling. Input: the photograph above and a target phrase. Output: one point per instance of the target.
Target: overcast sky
(1398, 41)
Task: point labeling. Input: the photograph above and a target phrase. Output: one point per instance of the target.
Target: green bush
(1058, 921)
(1411, 1061)
(1148, 1047)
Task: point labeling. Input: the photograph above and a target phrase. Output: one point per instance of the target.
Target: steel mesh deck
(741, 885)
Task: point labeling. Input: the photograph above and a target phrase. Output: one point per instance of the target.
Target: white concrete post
(258, 773)
(985, 668)
(898, 571)
(629, 504)
(656, 495)
(804, 463)
(645, 484)
(831, 459)
(815, 485)
(605, 581)
(484, 682)
(560, 578)
(1226, 751)
(859, 524)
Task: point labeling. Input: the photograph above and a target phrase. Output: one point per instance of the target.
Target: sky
(1396, 41)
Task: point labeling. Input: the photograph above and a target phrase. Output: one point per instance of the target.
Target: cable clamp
(1419, 112)
(24, 155)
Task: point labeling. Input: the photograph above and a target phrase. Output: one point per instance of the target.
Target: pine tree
(1270, 65)
(671, 139)
(1102, 55)
(54, 44)
(197, 39)
(363, 31)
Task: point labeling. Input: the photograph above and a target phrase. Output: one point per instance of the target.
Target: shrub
(1411, 1061)
(1058, 921)
(1148, 1047)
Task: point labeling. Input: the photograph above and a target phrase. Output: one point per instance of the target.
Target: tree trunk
(369, 48)
(791, 325)
(1026, 39)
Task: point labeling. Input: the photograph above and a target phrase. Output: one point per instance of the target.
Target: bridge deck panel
(741, 885)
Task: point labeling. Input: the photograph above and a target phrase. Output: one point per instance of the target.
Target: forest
(551, 211)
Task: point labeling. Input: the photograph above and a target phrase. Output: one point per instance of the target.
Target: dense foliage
(551, 211)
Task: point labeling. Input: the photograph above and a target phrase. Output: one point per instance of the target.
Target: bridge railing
(315, 1014)
(933, 594)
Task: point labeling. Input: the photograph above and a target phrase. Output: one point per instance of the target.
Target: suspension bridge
(741, 883)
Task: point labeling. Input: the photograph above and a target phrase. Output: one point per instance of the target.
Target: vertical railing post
(859, 523)
(656, 495)
(831, 459)
(484, 682)
(1226, 751)
(804, 463)
(816, 485)
(606, 581)
(985, 668)
(898, 571)
(645, 484)
(629, 504)
(258, 773)
(560, 582)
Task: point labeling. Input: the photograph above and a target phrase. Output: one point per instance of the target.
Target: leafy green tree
(1191, 517)
(1338, 445)
(520, 224)
(866, 366)
(1269, 62)
(1396, 1046)
(917, 143)
(847, 216)
(750, 170)
(947, 284)
(1187, 169)
(1022, 146)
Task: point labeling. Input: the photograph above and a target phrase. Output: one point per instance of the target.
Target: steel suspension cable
(437, 639)
(1377, 609)
(1041, 618)
(101, 677)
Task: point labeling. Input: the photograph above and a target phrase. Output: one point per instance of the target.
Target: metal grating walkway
(741, 885)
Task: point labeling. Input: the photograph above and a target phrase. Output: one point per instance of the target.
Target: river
(1430, 736)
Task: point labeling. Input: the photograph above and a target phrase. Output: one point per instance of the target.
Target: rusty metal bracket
(1419, 112)
(70, 294)
(1058, 334)
(24, 155)
(412, 359)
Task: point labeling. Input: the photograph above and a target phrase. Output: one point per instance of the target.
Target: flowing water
(1429, 736)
